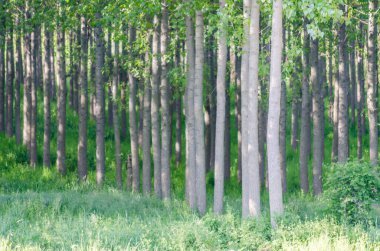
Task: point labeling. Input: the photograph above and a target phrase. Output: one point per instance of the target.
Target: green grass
(40, 210)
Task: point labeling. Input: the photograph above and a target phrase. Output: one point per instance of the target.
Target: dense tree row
(141, 67)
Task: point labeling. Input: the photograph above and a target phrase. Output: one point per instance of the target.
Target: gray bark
(47, 97)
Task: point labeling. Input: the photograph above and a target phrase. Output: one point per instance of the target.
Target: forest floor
(40, 210)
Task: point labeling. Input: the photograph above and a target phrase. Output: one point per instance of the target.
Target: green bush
(351, 189)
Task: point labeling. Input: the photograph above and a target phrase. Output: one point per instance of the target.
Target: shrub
(351, 190)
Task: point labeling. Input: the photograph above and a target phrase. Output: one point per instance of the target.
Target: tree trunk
(109, 78)
(19, 80)
(317, 120)
(83, 103)
(198, 115)
(27, 84)
(178, 112)
(353, 82)
(61, 107)
(220, 115)
(115, 117)
(147, 130)
(155, 108)
(372, 83)
(99, 102)
(274, 169)
(190, 116)
(33, 91)
(305, 116)
(296, 104)
(343, 96)
(360, 93)
(227, 134)
(165, 105)
(2, 66)
(10, 80)
(47, 98)
(250, 168)
(133, 123)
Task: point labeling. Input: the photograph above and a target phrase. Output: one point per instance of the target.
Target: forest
(189, 125)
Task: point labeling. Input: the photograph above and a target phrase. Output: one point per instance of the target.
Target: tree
(343, 93)
(147, 129)
(360, 92)
(133, 122)
(165, 109)
(305, 115)
(190, 116)
(371, 82)
(99, 100)
(10, 80)
(220, 112)
(115, 115)
(198, 115)
(83, 103)
(61, 101)
(317, 120)
(274, 170)
(2, 64)
(155, 108)
(19, 78)
(47, 97)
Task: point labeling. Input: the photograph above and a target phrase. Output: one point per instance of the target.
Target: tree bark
(2, 66)
(83, 103)
(133, 123)
(61, 102)
(360, 93)
(19, 80)
(147, 131)
(27, 84)
(165, 105)
(190, 116)
(317, 120)
(220, 114)
(372, 84)
(10, 80)
(198, 115)
(274, 170)
(343, 95)
(155, 108)
(115, 117)
(47, 97)
(99, 102)
(305, 116)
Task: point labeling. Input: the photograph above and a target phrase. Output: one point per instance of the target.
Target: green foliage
(352, 189)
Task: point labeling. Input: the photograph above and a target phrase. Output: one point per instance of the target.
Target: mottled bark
(147, 130)
(83, 103)
(372, 84)
(10, 80)
(47, 97)
(99, 101)
(305, 116)
(19, 78)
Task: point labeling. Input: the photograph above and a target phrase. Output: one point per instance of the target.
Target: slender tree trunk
(123, 97)
(47, 98)
(109, 78)
(360, 93)
(372, 83)
(19, 80)
(178, 112)
(220, 115)
(61, 107)
(133, 123)
(227, 135)
(147, 131)
(115, 117)
(10, 80)
(353, 82)
(190, 115)
(83, 103)
(317, 120)
(296, 104)
(305, 116)
(2, 65)
(343, 96)
(27, 84)
(334, 154)
(99, 102)
(155, 108)
(251, 169)
(33, 90)
(165, 105)
(274, 170)
(198, 115)
(53, 72)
